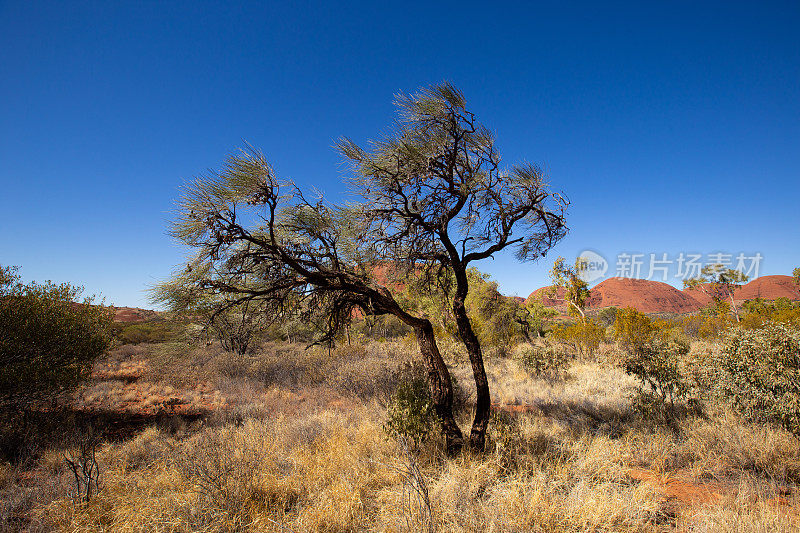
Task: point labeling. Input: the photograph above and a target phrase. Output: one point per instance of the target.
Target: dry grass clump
(336, 471)
(727, 446)
(747, 510)
(316, 473)
(363, 371)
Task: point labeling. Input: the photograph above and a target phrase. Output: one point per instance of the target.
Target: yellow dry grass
(329, 467)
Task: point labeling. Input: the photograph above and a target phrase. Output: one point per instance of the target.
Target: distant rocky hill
(766, 287)
(657, 297)
(133, 314)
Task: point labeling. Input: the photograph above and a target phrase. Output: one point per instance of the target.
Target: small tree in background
(233, 321)
(719, 283)
(633, 329)
(796, 276)
(48, 339)
(534, 316)
(653, 359)
(576, 290)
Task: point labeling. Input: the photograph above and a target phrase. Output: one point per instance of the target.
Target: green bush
(151, 331)
(410, 413)
(48, 340)
(657, 365)
(758, 372)
(543, 361)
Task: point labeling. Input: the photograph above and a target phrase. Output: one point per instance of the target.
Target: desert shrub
(758, 372)
(225, 468)
(583, 336)
(543, 361)
(48, 341)
(151, 331)
(354, 370)
(633, 329)
(709, 323)
(351, 351)
(790, 317)
(380, 328)
(758, 312)
(410, 413)
(607, 316)
(506, 437)
(657, 365)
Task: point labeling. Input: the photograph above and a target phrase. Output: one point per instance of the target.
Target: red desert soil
(119, 387)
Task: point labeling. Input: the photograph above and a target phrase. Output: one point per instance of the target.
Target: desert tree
(534, 316)
(576, 290)
(796, 276)
(294, 257)
(439, 200)
(719, 283)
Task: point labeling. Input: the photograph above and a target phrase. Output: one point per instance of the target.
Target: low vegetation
(345, 440)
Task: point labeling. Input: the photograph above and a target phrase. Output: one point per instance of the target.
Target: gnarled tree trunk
(440, 384)
(483, 402)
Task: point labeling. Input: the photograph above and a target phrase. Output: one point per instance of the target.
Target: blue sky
(672, 127)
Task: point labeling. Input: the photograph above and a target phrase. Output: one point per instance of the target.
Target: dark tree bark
(483, 403)
(441, 386)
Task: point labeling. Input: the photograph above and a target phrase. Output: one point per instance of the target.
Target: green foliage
(536, 317)
(719, 283)
(796, 276)
(410, 413)
(583, 336)
(151, 331)
(657, 365)
(497, 320)
(576, 290)
(494, 317)
(759, 312)
(607, 316)
(758, 372)
(543, 361)
(48, 340)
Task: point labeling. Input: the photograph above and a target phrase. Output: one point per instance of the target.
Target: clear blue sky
(672, 127)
